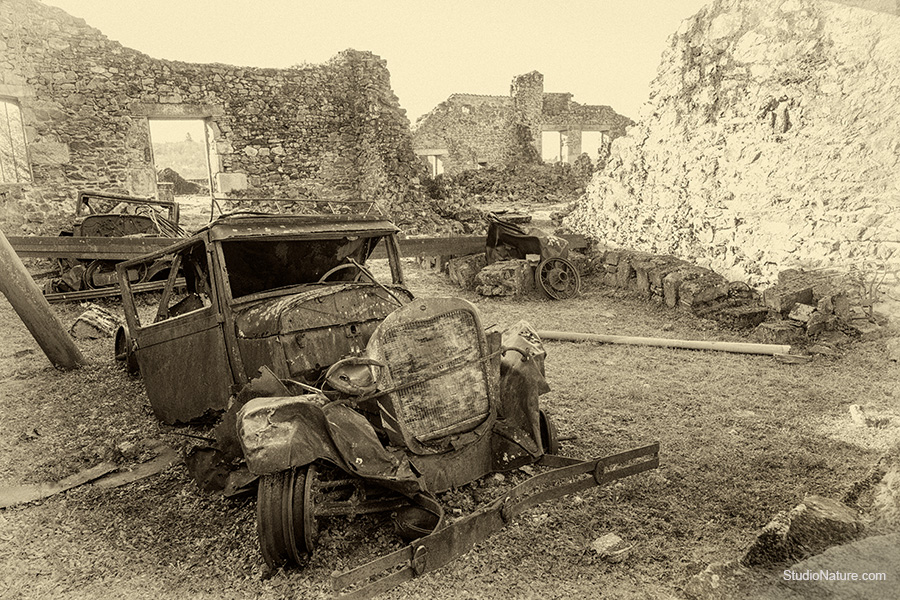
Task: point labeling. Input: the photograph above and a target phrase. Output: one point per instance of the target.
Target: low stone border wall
(825, 305)
(679, 284)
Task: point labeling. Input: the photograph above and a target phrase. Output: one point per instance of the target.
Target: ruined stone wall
(333, 130)
(527, 93)
(771, 140)
(472, 129)
(561, 113)
(499, 131)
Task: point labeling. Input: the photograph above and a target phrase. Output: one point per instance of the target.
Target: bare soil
(742, 437)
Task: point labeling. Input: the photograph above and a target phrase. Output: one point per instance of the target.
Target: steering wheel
(354, 265)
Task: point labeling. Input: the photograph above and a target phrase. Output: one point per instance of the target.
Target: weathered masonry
(468, 131)
(75, 110)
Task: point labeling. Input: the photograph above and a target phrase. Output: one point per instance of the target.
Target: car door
(181, 353)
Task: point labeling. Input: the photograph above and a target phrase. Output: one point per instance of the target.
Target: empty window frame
(551, 146)
(593, 141)
(14, 166)
(435, 165)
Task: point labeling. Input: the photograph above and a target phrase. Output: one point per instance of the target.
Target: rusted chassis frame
(444, 545)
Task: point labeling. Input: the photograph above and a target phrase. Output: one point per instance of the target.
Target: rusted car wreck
(107, 215)
(345, 393)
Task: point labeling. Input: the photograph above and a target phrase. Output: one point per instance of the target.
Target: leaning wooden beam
(34, 310)
(738, 347)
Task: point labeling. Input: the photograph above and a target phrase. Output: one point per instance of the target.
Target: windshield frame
(384, 246)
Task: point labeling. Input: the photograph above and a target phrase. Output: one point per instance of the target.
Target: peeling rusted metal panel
(184, 367)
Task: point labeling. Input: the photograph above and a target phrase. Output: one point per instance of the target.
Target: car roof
(256, 225)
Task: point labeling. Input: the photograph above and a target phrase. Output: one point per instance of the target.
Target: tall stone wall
(327, 131)
(771, 140)
(527, 93)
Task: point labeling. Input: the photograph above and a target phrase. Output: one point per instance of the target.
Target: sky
(602, 51)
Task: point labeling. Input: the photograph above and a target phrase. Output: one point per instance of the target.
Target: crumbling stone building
(468, 131)
(75, 109)
(770, 142)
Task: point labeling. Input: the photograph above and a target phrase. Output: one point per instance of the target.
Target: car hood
(317, 307)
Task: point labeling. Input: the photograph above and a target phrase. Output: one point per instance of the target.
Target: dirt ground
(742, 437)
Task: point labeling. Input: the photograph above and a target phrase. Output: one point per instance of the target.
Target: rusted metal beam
(126, 248)
(103, 248)
(459, 245)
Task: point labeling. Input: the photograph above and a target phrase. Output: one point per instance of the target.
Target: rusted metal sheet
(13, 495)
(311, 329)
(184, 366)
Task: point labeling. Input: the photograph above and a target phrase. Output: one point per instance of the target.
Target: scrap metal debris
(95, 323)
(102, 476)
(21, 494)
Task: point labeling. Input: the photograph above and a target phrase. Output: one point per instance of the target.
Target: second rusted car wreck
(344, 393)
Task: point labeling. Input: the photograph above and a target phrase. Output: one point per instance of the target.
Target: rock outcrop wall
(333, 131)
(771, 140)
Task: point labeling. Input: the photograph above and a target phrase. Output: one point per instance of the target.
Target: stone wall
(325, 131)
(770, 141)
(468, 131)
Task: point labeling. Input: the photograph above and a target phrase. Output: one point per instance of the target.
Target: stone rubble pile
(771, 140)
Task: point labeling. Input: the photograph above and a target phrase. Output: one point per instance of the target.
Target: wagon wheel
(549, 435)
(285, 520)
(558, 278)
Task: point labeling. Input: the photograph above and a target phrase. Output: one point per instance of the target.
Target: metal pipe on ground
(737, 347)
(34, 310)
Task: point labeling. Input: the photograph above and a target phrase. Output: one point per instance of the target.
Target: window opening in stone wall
(593, 142)
(590, 143)
(181, 159)
(551, 146)
(14, 166)
(435, 165)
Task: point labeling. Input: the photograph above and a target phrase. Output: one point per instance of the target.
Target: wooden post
(34, 310)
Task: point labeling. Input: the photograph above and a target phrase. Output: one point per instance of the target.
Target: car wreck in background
(554, 274)
(342, 393)
(101, 214)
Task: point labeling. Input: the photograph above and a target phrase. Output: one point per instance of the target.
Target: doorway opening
(181, 155)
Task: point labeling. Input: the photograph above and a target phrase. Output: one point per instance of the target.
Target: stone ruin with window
(76, 107)
(468, 131)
